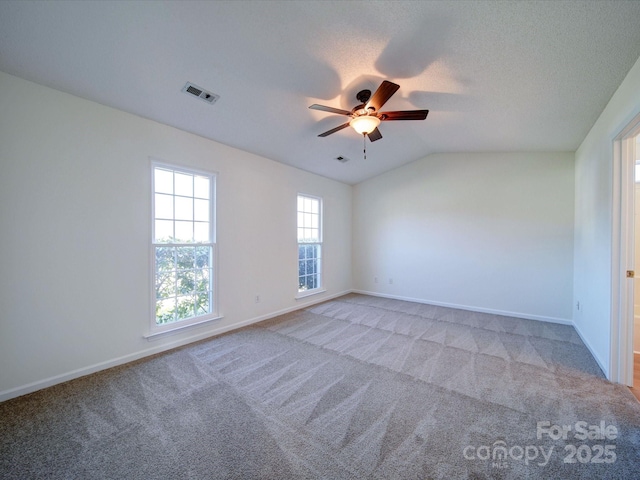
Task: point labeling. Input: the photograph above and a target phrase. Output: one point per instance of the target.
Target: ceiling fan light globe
(365, 124)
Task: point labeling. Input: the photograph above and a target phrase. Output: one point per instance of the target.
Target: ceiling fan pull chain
(364, 144)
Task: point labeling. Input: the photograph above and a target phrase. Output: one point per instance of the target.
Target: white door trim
(622, 248)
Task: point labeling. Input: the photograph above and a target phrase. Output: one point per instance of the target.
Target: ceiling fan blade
(334, 130)
(404, 115)
(375, 135)
(383, 93)
(329, 109)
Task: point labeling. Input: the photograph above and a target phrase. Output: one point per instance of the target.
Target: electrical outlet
(391, 281)
(257, 298)
(578, 306)
(375, 279)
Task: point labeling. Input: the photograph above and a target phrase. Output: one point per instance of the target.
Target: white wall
(593, 218)
(488, 232)
(75, 230)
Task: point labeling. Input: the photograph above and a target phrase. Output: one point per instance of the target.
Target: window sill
(179, 328)
(309, 293)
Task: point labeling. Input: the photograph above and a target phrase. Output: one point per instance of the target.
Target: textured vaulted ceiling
(495, 75)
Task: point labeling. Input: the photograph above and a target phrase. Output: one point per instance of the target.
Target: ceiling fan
(366, 116)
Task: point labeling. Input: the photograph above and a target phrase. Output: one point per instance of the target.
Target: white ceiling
(495, 75)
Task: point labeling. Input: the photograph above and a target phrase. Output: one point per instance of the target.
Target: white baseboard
(301, 303)
(604, 367)
(504, 313)
(81, 372)
(562, 321)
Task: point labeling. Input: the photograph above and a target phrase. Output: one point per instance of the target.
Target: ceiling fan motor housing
(363, 96)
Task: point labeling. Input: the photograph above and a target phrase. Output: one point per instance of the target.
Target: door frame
(623, 246)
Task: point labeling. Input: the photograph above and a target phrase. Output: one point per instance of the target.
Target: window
(637, 153)
(309, 244)
(637, 156)
(183, 247)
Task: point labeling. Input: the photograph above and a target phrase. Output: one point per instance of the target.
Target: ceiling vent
(201, 93)
(342, 159)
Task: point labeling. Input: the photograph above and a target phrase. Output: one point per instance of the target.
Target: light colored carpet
(355, 388)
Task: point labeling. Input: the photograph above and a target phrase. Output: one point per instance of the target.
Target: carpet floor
(358, 387)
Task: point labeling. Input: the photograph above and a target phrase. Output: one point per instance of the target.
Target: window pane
(184, 208)
(165, 259)
(163, 181)
(185, 307)
(184, 184)
(203, 304)
(185, 282)
(203, 283)
(311, 266)
(165, 285)
(201, 187)
(164, 230)
(201, 232)
(185, 257)
(164, 206)
(203, 257)
(184, 231)
(165, 311)
(310, 283)
(201, 210)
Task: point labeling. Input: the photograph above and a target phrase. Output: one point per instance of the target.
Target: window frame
(636, 153)
(319, 242)
(155, 328)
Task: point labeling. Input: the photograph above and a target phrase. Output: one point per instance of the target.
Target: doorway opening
(635, 154)
(623, 259)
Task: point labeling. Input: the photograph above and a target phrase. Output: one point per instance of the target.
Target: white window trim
(154, 329)
(321, 287)
(310, 293)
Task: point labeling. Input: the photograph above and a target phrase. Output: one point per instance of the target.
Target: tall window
(309, 243)
(637, 154)
(184, 247)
